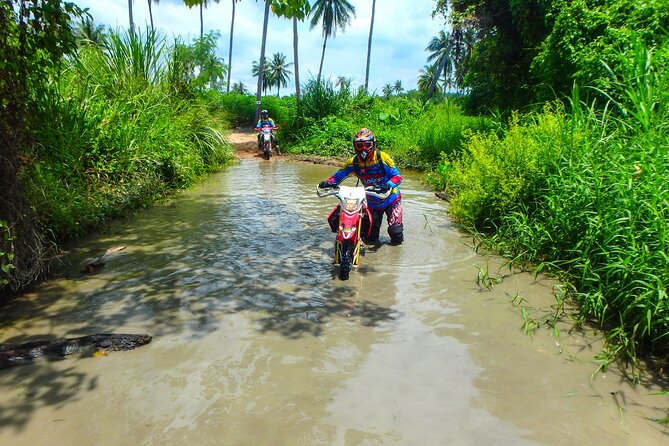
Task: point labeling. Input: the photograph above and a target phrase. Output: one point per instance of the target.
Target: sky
(402, 31)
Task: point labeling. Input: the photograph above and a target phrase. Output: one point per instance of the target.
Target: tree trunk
(320, 68)
(201, 22)
(132, 22)
(369, 45)
(297, 65)
(232, 30)
(261, 65)
(437, 74)
(150, 14)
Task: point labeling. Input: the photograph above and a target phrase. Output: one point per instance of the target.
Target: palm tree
(240, 88)
(88, 33)
(295, 10)
(344, 83)
(387, 90)
(332, 14)
(426, 78)
(441, 48)
(369, 44)
(266, 78)
(278, 71)
(232, 32)
(151, 12)
(297, 65)
(203, 5)
(132, 22)
(397, 88)
(261, 65)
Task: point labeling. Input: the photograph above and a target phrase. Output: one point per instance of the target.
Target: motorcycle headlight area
(347, 232)
(351, 204)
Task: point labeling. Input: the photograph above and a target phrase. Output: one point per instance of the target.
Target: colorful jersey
(269, 122)
(380, 169)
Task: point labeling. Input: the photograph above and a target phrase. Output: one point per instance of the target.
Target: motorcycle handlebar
(324, 192)
(376, 192)
(371, 190)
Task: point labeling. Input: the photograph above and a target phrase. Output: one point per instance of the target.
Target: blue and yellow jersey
(269, 122)
(379, 169)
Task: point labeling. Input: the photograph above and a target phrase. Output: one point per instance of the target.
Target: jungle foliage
(579, 187)
(92, 130)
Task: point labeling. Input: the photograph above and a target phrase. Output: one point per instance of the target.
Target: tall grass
(113, 135)
(585, 195)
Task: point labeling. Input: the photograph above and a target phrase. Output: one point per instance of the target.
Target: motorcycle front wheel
(266, 149)
(345, 260)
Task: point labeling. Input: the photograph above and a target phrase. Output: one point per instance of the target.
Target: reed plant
(113, 135)
(584, 195)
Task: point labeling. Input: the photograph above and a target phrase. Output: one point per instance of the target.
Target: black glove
(383, 188)
(325, 185)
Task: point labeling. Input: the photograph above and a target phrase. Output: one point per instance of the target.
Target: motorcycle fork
(356, 241)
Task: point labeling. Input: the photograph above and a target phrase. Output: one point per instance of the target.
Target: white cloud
(402, 30)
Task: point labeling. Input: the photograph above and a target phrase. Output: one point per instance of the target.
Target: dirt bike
(352, 210)
(267, 142)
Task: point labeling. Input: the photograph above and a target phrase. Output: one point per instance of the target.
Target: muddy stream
(256, 341)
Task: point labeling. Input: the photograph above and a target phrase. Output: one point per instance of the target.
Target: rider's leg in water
(395, 226)
(259, 141)
(276, 145)
(377, 219)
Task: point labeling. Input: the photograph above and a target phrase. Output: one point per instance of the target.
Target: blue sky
(402, 30)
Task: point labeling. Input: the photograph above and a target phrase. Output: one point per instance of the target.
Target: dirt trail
(245, 142)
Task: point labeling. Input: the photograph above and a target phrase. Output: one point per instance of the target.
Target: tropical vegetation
(544, 122)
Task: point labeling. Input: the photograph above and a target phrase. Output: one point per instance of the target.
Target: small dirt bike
(267, 142)
(352, 211)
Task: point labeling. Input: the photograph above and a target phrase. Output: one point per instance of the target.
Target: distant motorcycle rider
(374, 168)
(266, 121)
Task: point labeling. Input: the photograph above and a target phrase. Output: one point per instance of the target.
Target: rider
(374, 168)
(266, 121)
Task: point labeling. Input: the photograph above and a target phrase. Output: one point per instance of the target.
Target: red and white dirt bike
(267, 141)
(353, 209)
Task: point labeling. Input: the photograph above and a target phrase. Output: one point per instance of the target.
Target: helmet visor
(363, 145)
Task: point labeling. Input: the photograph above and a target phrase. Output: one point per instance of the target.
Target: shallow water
(256, 342)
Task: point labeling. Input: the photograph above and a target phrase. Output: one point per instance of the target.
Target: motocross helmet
(364, 143)
(264, 114)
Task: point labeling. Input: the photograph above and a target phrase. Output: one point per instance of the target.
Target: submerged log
(57, 349)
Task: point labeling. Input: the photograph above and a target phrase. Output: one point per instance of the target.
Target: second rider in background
(374, 168)
(266, 121)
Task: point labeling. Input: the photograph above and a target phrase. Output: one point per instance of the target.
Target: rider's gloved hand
(325, 185)
(383, 188)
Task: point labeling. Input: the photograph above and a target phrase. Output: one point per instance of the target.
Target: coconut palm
(88, 33)
(369, 44)
(240, 88)
(278, 71)
(397, 88)
(203, 5)
(332, 14)
(150, 10)
(344, 83)
(266, 78)
(232, 32)
(387, 90)
(426, 78)
(441, 48)
(261, 66)
(132, 21)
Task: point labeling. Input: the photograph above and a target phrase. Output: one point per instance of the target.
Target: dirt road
(245, 142)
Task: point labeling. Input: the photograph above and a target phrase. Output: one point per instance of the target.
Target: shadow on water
(187, 265)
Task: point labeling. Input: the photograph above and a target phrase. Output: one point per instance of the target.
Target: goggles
(363, 144)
